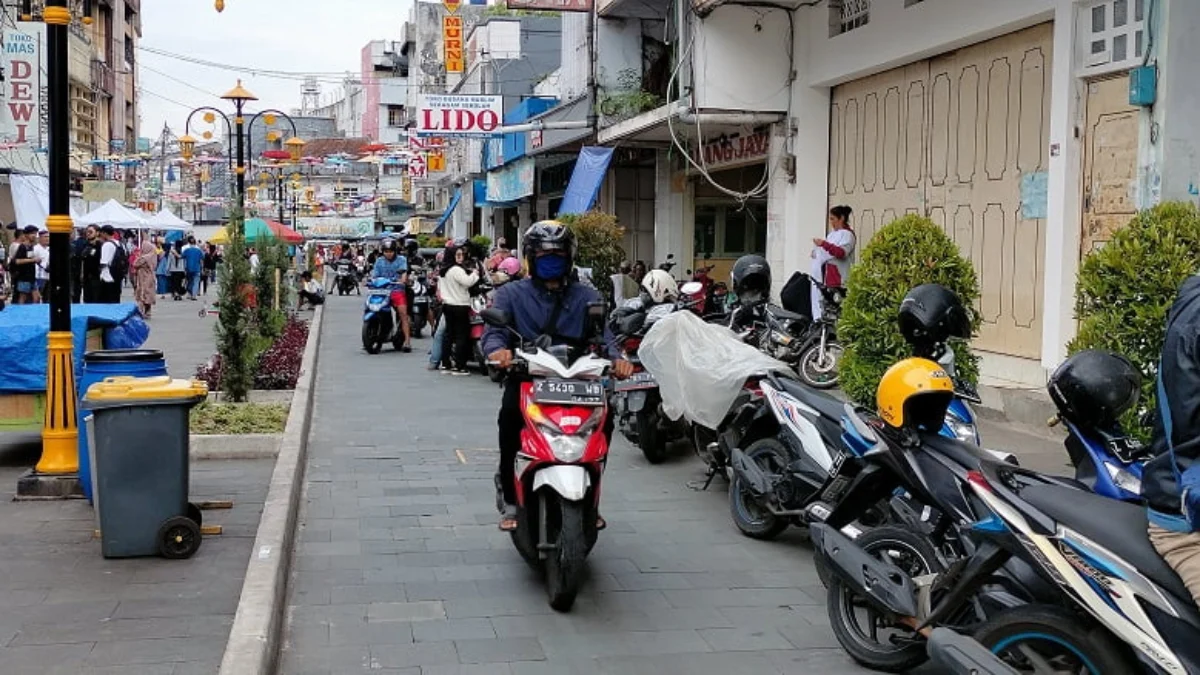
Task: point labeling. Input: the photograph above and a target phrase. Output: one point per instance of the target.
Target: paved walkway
(64, 609)
(400, 567)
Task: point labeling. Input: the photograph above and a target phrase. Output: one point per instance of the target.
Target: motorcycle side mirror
(691, 288)
(497, 318)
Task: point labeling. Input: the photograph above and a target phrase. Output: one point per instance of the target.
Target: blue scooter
(379, 318)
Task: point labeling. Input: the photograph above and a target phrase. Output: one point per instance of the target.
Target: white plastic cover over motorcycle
(700, 367)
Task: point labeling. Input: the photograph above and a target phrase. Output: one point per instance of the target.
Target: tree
(599, 238)
(906, 253)
(235, 322)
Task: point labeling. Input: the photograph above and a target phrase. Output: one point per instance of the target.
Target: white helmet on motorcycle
(660, 286)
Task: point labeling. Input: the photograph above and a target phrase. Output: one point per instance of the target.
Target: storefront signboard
(336, 228)
(459, 115)
(730, 151)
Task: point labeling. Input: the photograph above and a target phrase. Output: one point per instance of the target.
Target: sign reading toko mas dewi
(455, 115)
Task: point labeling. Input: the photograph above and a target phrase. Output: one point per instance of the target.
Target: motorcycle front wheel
(818, 368)
(564, 566)
(370, 337)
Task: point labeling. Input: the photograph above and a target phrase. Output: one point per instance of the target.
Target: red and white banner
(459, 115)
(416, 167)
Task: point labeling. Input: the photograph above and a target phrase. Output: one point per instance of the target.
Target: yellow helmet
(914, 393)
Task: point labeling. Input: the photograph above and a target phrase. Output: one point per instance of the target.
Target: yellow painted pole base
(60, 430)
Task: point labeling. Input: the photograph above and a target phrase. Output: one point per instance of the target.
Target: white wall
(573, 75)
(618, 48)
(674, 222)
(896, 34)
(740, 59)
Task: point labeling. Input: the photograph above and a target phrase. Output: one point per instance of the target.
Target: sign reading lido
(552, 5)
(455, 115)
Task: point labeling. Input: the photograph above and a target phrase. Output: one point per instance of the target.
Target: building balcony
(104, 80)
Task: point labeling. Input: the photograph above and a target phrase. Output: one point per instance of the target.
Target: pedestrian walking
(41, 251)
(113, 266)
(209, 275)
(162, 270)
(455, 288)
(193, 266)
(145, 278)
(88, 265)
(23, 263)
(178, 269)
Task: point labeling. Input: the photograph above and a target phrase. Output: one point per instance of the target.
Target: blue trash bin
(102, 364)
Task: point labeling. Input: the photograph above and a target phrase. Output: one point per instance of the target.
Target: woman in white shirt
(455, 288)
(833, 255)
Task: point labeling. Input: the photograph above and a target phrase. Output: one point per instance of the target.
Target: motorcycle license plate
(642, 380)
(568, 392)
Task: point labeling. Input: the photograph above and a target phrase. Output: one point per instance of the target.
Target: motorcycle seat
(785, 315)
(824, 404)
(1117, 526)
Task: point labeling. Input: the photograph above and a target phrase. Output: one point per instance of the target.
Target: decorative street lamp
(54, 472)
(239, 130)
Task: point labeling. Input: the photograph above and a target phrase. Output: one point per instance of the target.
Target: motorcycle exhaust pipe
(750, 473)
(881, 583)
(960, 655)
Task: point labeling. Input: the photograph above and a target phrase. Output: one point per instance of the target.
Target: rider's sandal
(601, 523)
(508, 521)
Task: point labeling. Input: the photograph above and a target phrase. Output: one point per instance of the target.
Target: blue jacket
(530, 305)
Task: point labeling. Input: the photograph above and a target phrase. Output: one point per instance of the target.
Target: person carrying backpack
(114, 266)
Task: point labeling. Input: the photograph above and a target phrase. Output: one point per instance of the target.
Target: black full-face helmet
(751, 278)
(930, 315)
(548, 236)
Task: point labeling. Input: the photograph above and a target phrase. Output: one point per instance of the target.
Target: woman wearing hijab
(163, 270)
(455, 288)
(144, 278)
(178, 267)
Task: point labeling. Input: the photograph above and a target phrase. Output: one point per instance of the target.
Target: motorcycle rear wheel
(820, 370)
(919, 559)
(751, 518)
(650, 437)
(1055, 635)
(564, 568)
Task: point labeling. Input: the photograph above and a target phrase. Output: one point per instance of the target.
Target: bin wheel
(195, 514)
(203, 313)
(178, 538)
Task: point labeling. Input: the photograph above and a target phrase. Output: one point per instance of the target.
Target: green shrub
(599, 240)
(431, 241)
(1126, 288)
(483, 241)
(238, 418)
(906, 253)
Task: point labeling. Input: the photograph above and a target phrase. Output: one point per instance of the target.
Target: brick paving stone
(400, 568)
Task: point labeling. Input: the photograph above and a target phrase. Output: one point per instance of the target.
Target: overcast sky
(321, 37)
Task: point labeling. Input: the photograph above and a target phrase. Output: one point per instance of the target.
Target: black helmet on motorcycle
(1094, 388)
(411, 246)
(548, 236)
(389, 244)
(930, 315)
(751, 277)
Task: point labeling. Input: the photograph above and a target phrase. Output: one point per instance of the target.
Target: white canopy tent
(165, 220)
(112, 213)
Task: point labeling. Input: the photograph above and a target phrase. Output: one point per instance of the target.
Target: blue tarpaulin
(23, 330)
(585, 180)
(480, 189)
(440, 230)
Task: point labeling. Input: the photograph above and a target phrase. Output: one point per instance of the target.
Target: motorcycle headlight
(565, 448)
(963, 431)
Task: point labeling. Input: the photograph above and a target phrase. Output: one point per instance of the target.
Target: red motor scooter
(562, 457)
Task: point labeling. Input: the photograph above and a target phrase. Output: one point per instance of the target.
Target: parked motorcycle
(379, 319)
(345, 279)
(810, 347)
(562, 458)
(637, 402)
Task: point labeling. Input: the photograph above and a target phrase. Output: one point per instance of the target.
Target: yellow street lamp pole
(55, 472)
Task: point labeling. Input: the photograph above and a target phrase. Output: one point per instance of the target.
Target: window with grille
(397, 116)
(1113, 33)
(846, 15)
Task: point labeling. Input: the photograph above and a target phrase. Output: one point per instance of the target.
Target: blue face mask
(550, 267)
